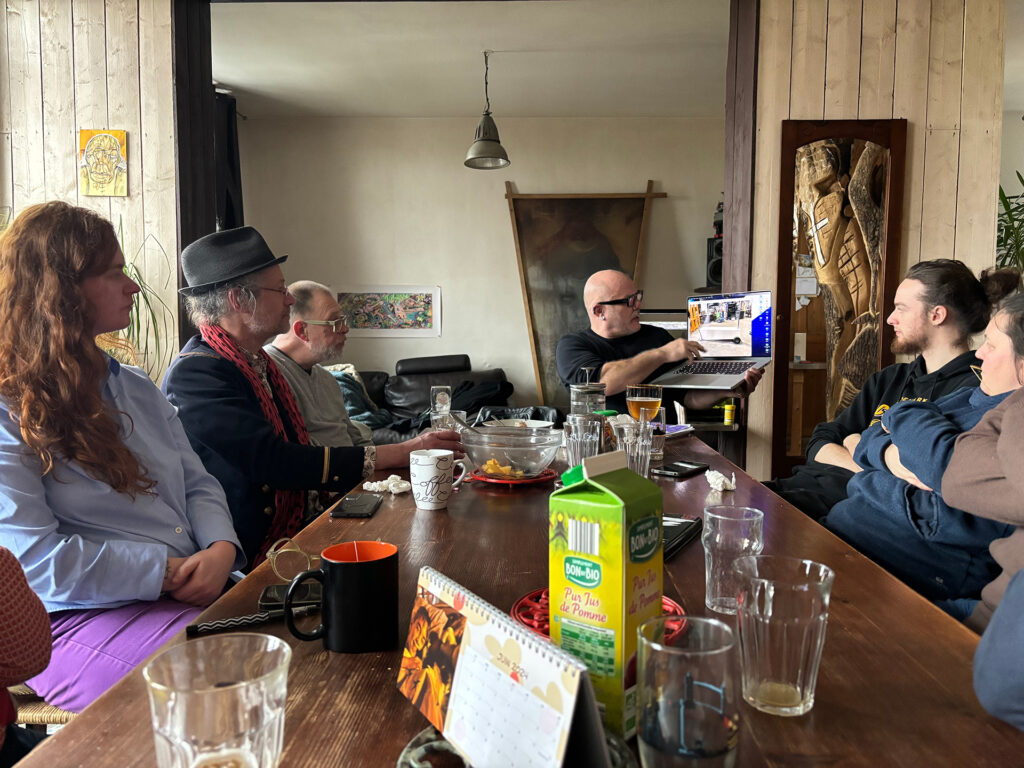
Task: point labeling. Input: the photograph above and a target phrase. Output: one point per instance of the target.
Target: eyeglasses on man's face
(632, 301)
(335, 324)
(282, 291)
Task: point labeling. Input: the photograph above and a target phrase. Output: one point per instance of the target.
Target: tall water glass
(729, 532)
(687, 699)
(782, 615)
(440, 399)
(659, 435)
(582, 437)
(634, 437)
(219, 701)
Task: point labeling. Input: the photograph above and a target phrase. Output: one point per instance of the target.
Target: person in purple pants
(120, 530)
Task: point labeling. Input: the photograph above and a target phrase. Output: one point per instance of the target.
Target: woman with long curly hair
(120, 530)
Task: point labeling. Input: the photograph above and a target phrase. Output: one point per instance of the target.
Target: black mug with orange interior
(360, 597)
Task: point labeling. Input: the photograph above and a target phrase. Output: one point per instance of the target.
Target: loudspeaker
(714, 275)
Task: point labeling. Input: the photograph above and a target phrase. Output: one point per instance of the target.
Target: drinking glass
(781, 619)
(643, 401)
(219, 700)
(444, 420)
(658, 436)
(729, 532)
(687, 701)
(582, 437)
(634, 437)
(440, 399)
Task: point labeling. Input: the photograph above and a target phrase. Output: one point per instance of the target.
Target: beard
(906, 346)
(327, 354)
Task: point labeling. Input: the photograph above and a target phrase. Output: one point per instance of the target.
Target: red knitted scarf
(289, 506)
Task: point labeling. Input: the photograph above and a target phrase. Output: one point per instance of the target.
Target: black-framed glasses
(632, 301)
(333, 323)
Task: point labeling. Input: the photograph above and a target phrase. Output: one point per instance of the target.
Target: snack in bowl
(511, 452)
(492, 467)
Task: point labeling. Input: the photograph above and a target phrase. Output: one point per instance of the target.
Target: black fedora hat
(217, 259)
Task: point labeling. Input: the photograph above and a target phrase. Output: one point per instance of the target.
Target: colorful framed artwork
(392, 311)
(102, 163)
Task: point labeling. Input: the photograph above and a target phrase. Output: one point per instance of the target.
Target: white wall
(1011, 158)
(359, 201)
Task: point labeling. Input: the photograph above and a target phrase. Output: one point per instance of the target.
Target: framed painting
(103, 163)
(561, 240)
(392, 310)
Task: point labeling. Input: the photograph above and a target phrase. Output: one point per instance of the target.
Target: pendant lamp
(486, 152)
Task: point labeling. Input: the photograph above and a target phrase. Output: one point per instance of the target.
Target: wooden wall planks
(937, 63)
(81, 64)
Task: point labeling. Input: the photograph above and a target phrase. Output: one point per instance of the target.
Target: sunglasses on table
(633, 300)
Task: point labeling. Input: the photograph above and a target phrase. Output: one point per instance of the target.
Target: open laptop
(735, 330)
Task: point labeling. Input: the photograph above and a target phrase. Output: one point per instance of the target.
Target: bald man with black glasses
(621, 351)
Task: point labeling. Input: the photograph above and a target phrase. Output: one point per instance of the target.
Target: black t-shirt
(585, 349)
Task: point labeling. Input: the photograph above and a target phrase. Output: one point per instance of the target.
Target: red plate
(532, 611)
(543, 477)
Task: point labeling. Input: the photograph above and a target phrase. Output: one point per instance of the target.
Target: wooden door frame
(891, 134)
(194, 117)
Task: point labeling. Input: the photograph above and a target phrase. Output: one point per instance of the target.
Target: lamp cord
(487, 96)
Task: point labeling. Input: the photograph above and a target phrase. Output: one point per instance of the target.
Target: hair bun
(1000, 282)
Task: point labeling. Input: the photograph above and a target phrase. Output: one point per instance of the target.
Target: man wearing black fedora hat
(238, 410)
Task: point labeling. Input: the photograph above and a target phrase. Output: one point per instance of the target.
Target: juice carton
(605, 575)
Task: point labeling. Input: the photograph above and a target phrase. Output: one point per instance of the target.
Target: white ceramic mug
(431, 473)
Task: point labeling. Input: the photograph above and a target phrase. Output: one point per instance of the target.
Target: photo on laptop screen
(672, 320)
(732, 325)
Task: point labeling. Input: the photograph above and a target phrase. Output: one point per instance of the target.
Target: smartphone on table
(357, 505)
(272, 597)
(680, 469)
(678, 532)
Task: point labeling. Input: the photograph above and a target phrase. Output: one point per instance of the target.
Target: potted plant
(1010, 228)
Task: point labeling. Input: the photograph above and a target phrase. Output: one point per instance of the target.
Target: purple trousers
(93, 649)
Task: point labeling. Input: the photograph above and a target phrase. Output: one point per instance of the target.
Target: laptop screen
(672, 320)
(733, 324)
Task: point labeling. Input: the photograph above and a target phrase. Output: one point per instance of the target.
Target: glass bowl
(511, 452)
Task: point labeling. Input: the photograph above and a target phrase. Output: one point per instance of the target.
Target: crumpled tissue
(720, 482)
(394, 484)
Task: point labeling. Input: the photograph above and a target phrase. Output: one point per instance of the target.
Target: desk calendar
(500, 694)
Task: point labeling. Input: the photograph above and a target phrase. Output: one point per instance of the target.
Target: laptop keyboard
(715, 367)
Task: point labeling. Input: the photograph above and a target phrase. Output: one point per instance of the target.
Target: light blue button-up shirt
(83, 545)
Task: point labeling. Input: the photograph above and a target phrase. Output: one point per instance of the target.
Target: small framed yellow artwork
(103, 163)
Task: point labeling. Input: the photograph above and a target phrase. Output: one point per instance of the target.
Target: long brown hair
(51, 371)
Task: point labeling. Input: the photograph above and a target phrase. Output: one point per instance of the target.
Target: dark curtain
(229, 173)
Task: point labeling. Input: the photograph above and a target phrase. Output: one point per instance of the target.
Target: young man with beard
(937, 308)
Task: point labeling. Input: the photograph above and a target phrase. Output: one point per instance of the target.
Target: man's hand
(751, 379)
(203, 575)
(396, 455)
(892, 461)
(680, 349)
(851, 441)
(444, 439)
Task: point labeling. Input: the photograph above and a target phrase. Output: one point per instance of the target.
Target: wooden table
(894, 687)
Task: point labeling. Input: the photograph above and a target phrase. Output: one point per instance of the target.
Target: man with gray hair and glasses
(238, 410)
(316, 335)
